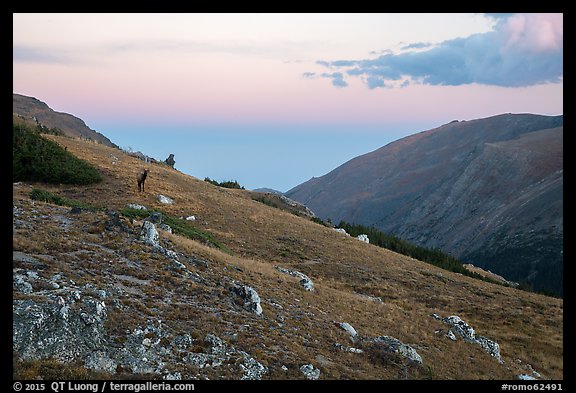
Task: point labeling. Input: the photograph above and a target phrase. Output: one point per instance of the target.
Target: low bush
(38, 159)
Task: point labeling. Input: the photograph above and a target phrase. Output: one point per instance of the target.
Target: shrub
(37, 159)
(225, 184)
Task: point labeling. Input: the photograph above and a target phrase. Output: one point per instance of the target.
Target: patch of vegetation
(225, 184)
(37, 159)
(432, 256)
(179, 226)
(46, 196)
(266, 201)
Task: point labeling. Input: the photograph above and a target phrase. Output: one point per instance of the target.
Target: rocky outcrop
(380, 343)
(170, 161)
(460, 328)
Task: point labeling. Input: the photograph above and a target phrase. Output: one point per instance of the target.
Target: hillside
(33, 111)
(92, 297)
(488, 191)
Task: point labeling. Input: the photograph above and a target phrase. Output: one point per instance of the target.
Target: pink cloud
(534, 32)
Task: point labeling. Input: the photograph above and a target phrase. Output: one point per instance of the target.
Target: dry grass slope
(297, 326)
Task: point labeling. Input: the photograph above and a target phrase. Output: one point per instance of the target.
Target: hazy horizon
(271, 100)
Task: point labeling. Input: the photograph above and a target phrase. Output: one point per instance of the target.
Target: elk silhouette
(141, 179)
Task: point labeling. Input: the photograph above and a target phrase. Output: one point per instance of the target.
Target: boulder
(165, 200)
(249, 296)
(149, 234)
(364, 238)
(395, 345)
(348, 328)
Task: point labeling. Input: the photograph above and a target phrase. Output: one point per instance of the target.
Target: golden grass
(297, 326)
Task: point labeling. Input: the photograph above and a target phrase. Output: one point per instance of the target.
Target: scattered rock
(347, 349)
(348, 328)
(310, 372)
(191, 218)
(395, 345)
(305, 281)
(219, 353)
(20, 284)
(341, 230)
(458, 326)
(165, 200)
(136, 206)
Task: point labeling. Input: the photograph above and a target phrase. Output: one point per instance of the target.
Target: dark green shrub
(225, 184)
(37, 159)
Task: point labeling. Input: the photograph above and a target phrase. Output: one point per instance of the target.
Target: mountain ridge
(33, 111)
(436, 187)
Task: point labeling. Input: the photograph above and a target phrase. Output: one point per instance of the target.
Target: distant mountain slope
(36, 111)
(489, 191)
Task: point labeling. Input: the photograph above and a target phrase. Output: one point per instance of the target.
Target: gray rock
(170, 161)
(219, 352)
(397, 346)
(99, 361)
(451, 335)
(250, 297)
(136, 206)
(50, 330)
(348, 328)
(305, 281)
(20, 284)
(165, 200)
(310, 372)
(469, 335)
(460, 327)
(149, 234)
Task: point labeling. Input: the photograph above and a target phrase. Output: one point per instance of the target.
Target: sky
(271, 100)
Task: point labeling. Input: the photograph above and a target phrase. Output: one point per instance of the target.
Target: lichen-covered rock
(149, 234)
(52, 330)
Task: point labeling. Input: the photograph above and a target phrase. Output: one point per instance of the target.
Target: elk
(141, 179)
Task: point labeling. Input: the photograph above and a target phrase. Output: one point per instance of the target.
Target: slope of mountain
(488, 191)
(98, 290)
(34, 111)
